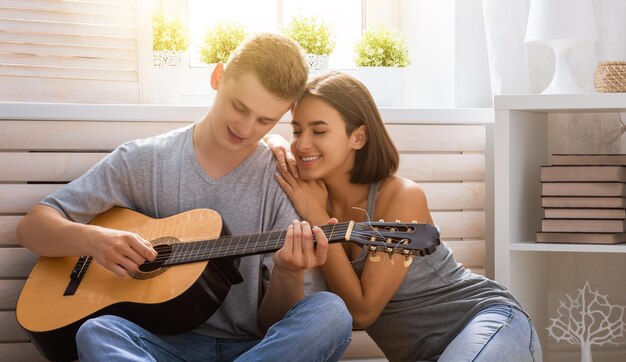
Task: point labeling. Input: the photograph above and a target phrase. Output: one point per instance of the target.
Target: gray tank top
(432, 305)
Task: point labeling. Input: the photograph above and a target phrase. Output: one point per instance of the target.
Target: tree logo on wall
(588, 319)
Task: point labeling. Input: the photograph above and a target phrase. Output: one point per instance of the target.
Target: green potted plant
(170, 39)
(315, 37)
(220, 41)
(381, 57)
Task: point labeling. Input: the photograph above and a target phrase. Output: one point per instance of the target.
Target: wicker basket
(610, 77)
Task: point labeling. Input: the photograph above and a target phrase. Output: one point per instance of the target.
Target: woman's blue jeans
(497, 333)
(318, 328)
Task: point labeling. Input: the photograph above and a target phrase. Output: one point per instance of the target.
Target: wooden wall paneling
(443, 167)
(19, 352)
(8, 223)
(438, 138)
(9, 291)
(470, 253)
(454, 195)
(16, 263)
(44, 166)
(63, 90)
(11, 330)
(461, 224)
(19, 198)
(77, 135)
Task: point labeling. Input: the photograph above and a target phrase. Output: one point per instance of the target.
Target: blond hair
(276, 60)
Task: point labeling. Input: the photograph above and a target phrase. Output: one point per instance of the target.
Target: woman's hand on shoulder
(308, 197)
(282, 151)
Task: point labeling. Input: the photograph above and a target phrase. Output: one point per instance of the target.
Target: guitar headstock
(395, 237)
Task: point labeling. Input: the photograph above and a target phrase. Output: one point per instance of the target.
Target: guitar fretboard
(242, 245)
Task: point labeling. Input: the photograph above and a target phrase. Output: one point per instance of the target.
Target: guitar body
(173, 301)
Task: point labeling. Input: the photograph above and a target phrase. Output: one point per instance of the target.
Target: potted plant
(220, 41)
(315, 37)
(381, 57)
(170, 40)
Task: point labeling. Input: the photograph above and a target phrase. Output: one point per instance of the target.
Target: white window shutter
(74, 51)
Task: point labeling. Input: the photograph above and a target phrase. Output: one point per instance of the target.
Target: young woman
(432, 309)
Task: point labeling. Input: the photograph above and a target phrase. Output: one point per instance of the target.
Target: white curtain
(519, 68)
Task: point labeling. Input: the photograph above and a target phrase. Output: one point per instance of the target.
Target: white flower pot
(384, 83)
(318, 64)
(166, 76)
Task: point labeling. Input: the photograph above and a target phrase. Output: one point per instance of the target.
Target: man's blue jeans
(318, 328)
(497, 333)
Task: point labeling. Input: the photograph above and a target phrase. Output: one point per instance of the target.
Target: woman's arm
(367, 296)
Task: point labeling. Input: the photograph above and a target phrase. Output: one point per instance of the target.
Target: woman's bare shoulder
(402, 198)
(397, 187)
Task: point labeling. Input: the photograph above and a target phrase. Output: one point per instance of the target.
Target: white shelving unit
(520, 148)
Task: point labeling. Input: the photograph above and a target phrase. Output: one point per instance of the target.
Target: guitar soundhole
(164, 251)
(150, 269)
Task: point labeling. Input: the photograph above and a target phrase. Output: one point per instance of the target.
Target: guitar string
(369, 221)
(220, 249)
(177, 259)
(273, 243)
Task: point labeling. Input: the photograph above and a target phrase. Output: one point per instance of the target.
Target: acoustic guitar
(183, 286)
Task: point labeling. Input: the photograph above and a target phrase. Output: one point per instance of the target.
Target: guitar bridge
(77, 274)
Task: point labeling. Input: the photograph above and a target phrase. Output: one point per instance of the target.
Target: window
(272, 15)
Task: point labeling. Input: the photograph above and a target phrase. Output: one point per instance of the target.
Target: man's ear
(216, 76)
(359, 137)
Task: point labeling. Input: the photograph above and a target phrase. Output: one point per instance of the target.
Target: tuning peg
(398, 221)
(374, 257)
(414, 222)
(389, 252)
(381, 220)
(407, 261)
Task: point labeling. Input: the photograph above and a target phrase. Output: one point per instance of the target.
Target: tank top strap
(371, 199)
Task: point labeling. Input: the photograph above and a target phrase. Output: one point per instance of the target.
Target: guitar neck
(242, 245)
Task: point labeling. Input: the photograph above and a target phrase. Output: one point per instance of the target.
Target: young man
(217, 163)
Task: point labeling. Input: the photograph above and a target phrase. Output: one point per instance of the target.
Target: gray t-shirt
(160, 176)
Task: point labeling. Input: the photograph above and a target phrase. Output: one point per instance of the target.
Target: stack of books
(584, 199)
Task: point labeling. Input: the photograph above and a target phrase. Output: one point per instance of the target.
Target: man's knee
(332, 312)
(96, 326)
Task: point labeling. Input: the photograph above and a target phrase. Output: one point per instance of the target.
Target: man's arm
(46, 232)
(286, 286)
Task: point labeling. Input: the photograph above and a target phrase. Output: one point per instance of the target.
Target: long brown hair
(378, 159)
